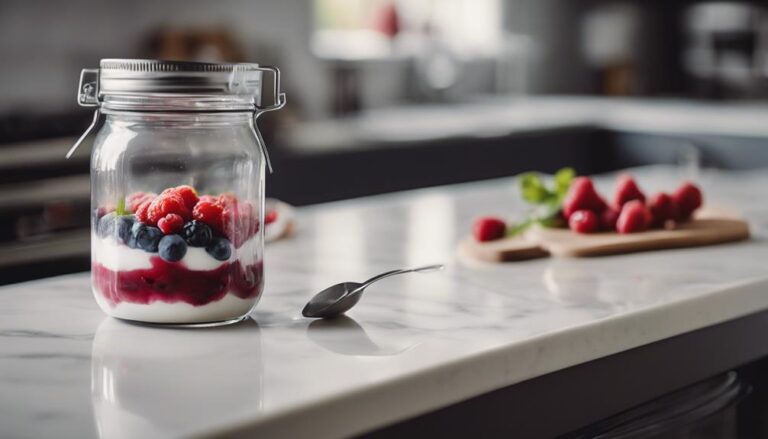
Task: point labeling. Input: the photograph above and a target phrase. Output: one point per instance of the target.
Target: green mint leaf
(533, 189)
(120, 211)
(519, 227)
(563, 179)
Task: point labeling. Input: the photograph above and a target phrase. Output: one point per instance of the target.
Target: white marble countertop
(414, 343)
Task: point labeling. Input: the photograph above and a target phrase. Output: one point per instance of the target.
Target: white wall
(44, 44)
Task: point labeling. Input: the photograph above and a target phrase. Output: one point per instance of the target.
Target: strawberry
(583, 221)
(634, 217)
(210, 213)
(663, 208)
(582, 196)
(270, 217)
(167, 203)
(688, 198)
(608, 219)
(626, 191)
(170, 223)
(488, 229)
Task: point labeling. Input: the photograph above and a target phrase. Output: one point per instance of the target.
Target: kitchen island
(415, 344)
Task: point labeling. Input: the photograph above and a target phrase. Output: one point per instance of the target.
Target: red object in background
(688, 198)
(270, 217)
(583, 221)
(626, 191)
(489, 228)
(608, 219)
(388, 20)
(663, 208)
(582, 196)
(634, 217)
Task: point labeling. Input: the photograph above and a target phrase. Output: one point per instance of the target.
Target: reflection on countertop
(161, 382)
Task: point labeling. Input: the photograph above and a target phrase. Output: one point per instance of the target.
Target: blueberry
(123, 225)
(105, 225)
(147, 238)
(220, 249)
(197, 234)
(172, 248)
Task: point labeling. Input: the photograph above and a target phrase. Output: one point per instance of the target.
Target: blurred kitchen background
(387, 95)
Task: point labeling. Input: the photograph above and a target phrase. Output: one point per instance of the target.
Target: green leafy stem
(546, 200)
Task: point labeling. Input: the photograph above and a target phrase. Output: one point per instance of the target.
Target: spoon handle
(381, 276)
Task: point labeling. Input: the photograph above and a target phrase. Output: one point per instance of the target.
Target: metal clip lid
(145, 85)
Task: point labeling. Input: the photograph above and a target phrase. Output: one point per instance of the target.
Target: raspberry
(227, 199)
(209, 213)
(170, 223)
(663, 208)
(101, 211)
(582, 196)
(270, 217)
(240, 222)
(167, 203)
(583, 221)
(136, 199)
(142, 211)
(188, 194)
(488, 229)
(688, 198)
(208, 198)
(626, 191)
(634, 217)
(608, 219)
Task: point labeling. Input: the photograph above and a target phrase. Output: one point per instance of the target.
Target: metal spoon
(340, 298)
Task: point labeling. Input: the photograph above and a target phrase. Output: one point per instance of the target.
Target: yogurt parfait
(177, 258)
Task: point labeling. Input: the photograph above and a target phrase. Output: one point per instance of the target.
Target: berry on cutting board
(270, 217)
(488, 229)
(582, 196)
(583, 221)
(634, 217)
(626, 191)
(663, 209)
(688, 198)
(608, 219)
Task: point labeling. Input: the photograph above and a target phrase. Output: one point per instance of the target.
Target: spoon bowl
(340, 298)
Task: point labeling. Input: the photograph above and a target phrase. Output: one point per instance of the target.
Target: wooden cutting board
(540, 242)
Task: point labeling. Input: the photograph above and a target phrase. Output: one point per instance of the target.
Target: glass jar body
(177, 230)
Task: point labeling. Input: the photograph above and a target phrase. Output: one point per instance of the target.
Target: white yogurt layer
(228, 308)
(118, 257)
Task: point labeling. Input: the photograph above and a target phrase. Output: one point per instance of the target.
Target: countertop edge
(360, 411)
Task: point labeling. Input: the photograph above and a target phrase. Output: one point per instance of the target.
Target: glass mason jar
(177, 189)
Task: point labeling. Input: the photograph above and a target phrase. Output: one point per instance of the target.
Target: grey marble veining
(414, 343)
